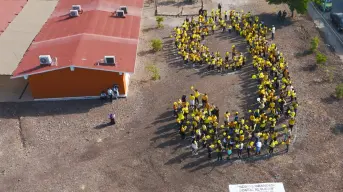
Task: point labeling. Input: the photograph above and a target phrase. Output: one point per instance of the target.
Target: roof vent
(123, 8)
(120, 13)
(45, 60)
(74, 13)
(110, 60)
(76, 7)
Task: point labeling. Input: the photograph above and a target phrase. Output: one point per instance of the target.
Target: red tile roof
(85, 40)
(9, 9)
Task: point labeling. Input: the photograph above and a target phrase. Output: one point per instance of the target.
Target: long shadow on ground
(46, 108)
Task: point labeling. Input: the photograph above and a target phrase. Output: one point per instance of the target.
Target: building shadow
(46, 108)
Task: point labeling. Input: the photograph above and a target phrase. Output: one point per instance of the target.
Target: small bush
(339, 91)
(156, 44)
(320, 58)
(155, 72)
(329, 74)
(159, 21)
(314, 44)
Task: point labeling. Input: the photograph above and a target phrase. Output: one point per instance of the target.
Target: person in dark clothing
(103, 96)
(219, 153)
(112, 118)
(201, 11)
(220, 8)
(216, 112)
(248, 150)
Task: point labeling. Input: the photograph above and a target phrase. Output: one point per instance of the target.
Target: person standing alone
(273, 32)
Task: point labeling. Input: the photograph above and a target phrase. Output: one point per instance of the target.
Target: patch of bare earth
(66, 146)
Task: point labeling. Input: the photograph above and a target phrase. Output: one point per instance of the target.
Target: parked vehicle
(337, 20)
(324, 5)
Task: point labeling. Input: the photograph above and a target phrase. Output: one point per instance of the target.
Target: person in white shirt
(273, 32)
(258, 147)
(195, 147)
(115, 92)
(110, 94)
(240, 149)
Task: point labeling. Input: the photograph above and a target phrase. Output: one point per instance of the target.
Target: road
(336, 8)
(323, 22)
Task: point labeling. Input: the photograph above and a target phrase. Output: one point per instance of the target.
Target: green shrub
(159, 21)
(320, 58)
(339, 91)
(155, 72)
(329, 73)
(156, 44)
(314, 44)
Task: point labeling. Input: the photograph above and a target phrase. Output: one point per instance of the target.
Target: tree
(294, 5)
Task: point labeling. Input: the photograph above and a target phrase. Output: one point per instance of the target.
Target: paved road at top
(323, 22)
(336, 8)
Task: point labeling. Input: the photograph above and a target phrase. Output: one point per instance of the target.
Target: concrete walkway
(16, 39)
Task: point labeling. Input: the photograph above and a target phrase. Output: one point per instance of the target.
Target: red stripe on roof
(85, 40)
(9, 9)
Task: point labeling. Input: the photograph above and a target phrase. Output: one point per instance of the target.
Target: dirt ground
(68, 146)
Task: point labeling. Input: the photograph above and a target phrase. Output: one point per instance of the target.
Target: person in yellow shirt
(288, 142)
(204, 100)
(179, 123)
(272, 145)
(226, 118)
(175, 109)
(183, 131)
(196, 95)
(291, 123)
(249, 147)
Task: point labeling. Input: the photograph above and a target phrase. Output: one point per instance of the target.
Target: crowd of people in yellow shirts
(201, 121)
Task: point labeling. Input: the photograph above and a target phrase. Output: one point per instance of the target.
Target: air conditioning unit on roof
(111, 60)
(76, 7)
(124, 8)
(45, 60)
(74, 13)
(120, 13)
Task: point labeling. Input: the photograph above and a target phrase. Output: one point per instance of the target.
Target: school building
(84, 48)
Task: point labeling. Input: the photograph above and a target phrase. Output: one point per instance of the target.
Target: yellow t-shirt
(192, 97)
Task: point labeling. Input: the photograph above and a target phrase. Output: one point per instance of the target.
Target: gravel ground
(67, 146)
